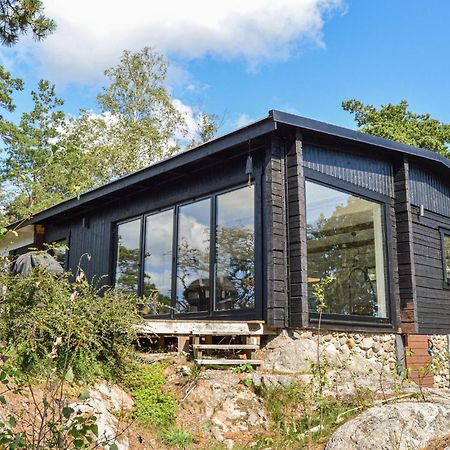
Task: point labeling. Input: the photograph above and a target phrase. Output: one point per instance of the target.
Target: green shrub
(48, 322)
(152, 406)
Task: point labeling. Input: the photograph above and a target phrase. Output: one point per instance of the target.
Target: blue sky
(302, 56)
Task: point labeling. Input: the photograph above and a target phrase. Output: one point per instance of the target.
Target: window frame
(253, 313)
(386, 203)
(444, 233)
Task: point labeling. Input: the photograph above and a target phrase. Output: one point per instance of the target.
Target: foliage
(8, 85)
(45, 321)
(50, 157)
(295, 415)
(397, 122)
(37, 169)
(20, 16)
(244, 368)
(152, 406)
(177, 438)
(48, 419)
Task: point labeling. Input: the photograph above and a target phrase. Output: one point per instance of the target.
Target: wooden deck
(160, 327)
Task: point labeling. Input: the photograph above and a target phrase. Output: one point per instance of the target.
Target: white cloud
(242, 120)
(91, 34)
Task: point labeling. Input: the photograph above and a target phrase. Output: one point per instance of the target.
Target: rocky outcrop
(402, 426)
(104, 401)
(224, 408)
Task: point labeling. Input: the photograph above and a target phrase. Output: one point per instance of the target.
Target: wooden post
(183, 344)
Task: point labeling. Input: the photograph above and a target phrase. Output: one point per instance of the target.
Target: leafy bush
(152, 406)
(48, 322)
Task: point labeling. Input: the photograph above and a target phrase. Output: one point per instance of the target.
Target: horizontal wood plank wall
(298, 287)
(370, 173)
(276, 292)
(433, 301)
(405, 249)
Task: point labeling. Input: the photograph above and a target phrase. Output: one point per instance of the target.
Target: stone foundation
(440, 360)
(295, 350)
(375, 347)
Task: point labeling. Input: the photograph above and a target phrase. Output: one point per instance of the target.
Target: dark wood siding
(433, 301)
(429, 190)
(405, 249)
(275, 242)
(298, 299)
(370, 173)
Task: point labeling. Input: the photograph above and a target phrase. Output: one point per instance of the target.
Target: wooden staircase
(250, 348)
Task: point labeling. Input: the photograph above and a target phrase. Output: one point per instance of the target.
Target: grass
(177, 438)
(296, 414)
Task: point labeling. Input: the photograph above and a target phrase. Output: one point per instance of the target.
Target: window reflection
(193, 291)
(158, 262)
(235, 266)
(128, 256)
(345, 245)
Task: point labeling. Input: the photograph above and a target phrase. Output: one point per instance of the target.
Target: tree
(139, 123)
(50, 157)
(20, 16)
(398, 123)
(40, 167)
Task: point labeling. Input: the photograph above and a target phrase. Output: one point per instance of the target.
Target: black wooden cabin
(257, 224)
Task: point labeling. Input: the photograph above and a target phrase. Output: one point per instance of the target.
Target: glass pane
(128, 255)
(346, 254)
(447, 256)
(158, 262)
(235, 247)
(193, 257)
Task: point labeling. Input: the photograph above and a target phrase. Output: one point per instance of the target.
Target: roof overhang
(230, 140)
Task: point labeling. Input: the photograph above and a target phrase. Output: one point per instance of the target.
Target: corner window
(445, 236)
(345, 253)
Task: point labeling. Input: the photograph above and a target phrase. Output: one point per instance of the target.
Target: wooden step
(226, 346)
(228, 362)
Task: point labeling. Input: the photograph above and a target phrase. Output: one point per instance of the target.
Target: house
(248, 229)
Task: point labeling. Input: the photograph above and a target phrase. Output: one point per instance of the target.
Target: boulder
(105, 400)
(402, 426)
(224, 408)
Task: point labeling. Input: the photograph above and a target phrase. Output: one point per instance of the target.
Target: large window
(158, 261)
(193, 291)
(346, 253)
(445, 235)
(235, 249)
(197, 257)
(128, 256)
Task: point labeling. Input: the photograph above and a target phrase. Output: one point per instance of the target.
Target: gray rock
(289, 355)
(402, 426)
(225, 407)
(104, 401)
